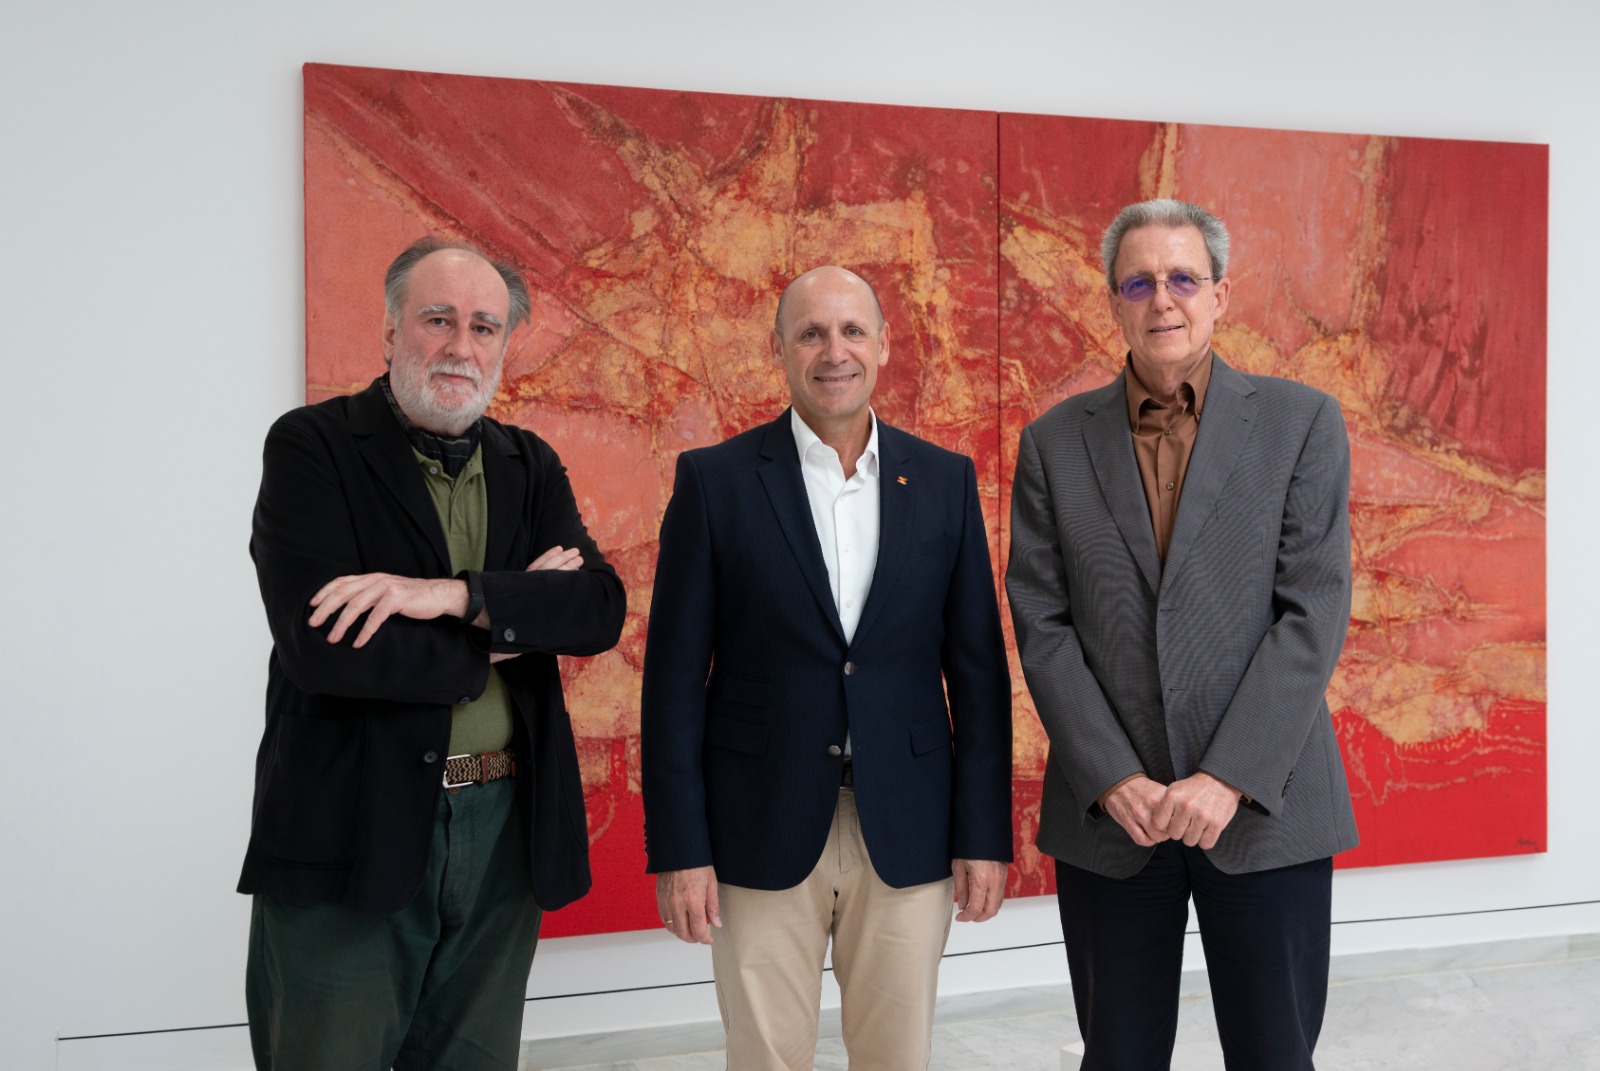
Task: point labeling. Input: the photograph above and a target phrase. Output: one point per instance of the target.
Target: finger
(377, 616)
(960, 875)
(1161, 819)
(550, 559)
(327, 600)
(326, 589)
(983, 905)
(713, 908)
(574, 562)
(347, 617)
(543, 559)
(972, 903)
(698, 931)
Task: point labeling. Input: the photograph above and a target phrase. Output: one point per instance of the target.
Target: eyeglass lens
(1179, 284)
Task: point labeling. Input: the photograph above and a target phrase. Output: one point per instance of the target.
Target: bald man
(826, 710)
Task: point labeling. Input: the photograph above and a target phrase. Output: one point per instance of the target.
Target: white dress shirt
(845, 513)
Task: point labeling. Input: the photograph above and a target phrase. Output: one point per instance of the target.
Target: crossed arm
(381, 596)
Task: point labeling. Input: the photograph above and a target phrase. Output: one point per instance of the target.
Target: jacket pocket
(930, 735)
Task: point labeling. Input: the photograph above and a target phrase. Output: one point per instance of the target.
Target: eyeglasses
(1180, 284)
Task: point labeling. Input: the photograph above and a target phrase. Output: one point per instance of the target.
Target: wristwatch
(475, 600)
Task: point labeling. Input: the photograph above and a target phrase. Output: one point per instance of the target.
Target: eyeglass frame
(1156, 282)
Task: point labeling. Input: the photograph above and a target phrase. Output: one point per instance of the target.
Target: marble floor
(1488, 1017)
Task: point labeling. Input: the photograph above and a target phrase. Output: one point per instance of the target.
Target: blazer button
(430, 757)
(509, 635)
(849, 669)
(835, 750)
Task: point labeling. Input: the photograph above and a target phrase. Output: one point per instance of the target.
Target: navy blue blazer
(750, 685)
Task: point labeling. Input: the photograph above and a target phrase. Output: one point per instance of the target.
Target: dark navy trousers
(1265, 935)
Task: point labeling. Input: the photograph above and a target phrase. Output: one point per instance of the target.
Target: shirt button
(849, 669)
(433, 470)
(430, 757)
(835, 750)
(1169, 485)
(463, 701)
(509, 635)
(1167, 432)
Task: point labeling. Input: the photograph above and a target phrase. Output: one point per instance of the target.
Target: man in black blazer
(826, 710)
(1180, 584)
(417, 795)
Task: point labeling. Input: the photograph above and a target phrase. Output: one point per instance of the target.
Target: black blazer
(350, 764)
(750, 686)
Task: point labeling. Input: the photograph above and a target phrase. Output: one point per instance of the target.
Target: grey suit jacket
(1219, 661)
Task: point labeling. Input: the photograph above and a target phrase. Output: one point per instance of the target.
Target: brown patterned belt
(478, 769)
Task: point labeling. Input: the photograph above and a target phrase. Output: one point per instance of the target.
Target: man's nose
(838, 348)
(1162, 298)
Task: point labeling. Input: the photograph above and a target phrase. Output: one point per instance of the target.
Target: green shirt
(463, 506)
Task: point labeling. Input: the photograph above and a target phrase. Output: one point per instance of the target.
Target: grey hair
(1165, 212)
(394, 280)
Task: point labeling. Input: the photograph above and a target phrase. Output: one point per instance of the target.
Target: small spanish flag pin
(902, 480)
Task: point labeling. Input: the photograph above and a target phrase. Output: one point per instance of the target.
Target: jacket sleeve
(304, 534)
(978, 686)
(1086, 738)
(677, 662)
(1265, 726)
(568, 612)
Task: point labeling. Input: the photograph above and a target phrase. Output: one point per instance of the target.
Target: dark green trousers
(437, 986)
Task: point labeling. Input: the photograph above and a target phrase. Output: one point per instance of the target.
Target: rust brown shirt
(1163, 439)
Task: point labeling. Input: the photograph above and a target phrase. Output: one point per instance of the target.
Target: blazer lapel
(1224, 426)
(786, 491)
(387, 451)
(894, 524)
(1110, 447)
(505, 478)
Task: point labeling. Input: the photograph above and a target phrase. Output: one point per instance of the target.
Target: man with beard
(417, 799)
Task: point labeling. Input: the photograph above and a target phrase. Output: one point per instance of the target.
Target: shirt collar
(1196, 384)
(805, 439)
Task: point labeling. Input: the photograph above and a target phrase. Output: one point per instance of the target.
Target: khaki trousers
(768, 957)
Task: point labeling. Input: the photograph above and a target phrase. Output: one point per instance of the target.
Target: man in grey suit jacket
(1180, 583)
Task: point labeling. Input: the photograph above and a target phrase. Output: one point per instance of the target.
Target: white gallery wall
(153, 262)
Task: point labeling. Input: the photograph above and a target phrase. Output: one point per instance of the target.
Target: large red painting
(655, 229)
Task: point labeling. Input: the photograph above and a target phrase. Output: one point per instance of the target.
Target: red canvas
(655, 229)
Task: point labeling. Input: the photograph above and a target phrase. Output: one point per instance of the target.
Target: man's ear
(883, 345)
(389, 328)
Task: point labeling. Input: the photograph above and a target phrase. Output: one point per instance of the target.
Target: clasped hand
(382, 595)
(1194, 810)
